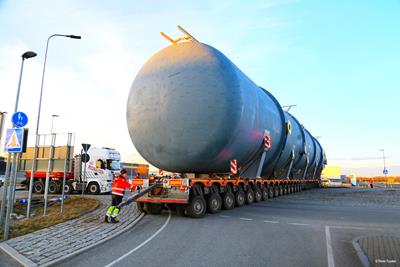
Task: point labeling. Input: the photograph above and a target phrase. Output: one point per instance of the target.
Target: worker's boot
(114, 220)
(106, 219)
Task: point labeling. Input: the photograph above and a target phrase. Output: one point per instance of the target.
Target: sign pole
(5, 190)
(67, 154)
(9, 201)
(49, 167)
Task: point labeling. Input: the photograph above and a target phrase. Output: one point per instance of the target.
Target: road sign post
(67, 155)
(84, 158)
(49, 167)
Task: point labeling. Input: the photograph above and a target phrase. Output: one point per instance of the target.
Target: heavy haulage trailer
(225, 140)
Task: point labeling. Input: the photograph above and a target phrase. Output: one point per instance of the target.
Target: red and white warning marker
(160, 172)
(234, 166)
(267, 142)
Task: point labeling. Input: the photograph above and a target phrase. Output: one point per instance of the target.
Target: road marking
(142, 244)
(224, 216)
(246, 219)
(271, 221)
(301, 224)
(329, 249)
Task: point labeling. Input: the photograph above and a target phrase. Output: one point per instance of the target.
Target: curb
(50, 263)
(24, 261)
(15, 255)
(360, 252)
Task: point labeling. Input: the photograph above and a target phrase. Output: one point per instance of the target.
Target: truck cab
(103, 165)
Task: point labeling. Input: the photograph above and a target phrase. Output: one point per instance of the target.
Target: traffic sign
(19, 119)
(14, 140)
(85, 147)
(85, 158)
(385, 171)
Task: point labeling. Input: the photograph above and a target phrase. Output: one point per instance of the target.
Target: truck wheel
(258, 195)
(140, 206)
(196, 207)
(228, 201)
(180, 210)
(249, 196)
(240, 198)
(280, 189)
(285, 189)
(270, 191)
(264, 192)
(68, 187)
(152, 208)
(276, 191)
(38, 187)
(214, 203)
(53, 187)
(93, 188)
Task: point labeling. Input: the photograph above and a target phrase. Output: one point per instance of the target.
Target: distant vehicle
(103, 165)
(331, 182)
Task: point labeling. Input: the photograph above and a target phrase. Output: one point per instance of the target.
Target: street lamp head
(28, 54)
(55, 116)
(74, 36)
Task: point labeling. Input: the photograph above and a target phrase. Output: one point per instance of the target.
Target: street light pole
(38, 120)
(384, 163)
(9, 183)
(52, 121)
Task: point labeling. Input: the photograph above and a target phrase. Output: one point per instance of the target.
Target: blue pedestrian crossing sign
(14, 140)
(385, 171)
(19, 119)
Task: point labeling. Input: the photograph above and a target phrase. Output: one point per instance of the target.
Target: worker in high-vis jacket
(118, 188)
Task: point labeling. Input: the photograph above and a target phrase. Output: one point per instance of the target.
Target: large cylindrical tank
(293, 149)
(190, 109)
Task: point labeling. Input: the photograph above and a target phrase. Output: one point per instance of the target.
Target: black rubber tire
(240, 198)
(264, 192)
(53, 187)
(68, 187)
(214, 203)
(93, 188)
(140, 206)
(153, 208)
(180, 210)
(228, 201)
(276, 190)
(38, 187)
(258, 195)
(280, 190)
(270, 189)
(196, 207)
(285, 189)
(249, 196)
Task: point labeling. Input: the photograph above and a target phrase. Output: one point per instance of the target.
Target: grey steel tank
(291, 157)
(190, 109)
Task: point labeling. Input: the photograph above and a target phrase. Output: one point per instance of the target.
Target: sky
(338, 61)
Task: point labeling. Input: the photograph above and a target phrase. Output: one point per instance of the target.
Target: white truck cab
(103, 165)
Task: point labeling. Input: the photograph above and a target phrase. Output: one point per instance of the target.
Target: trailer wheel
(93, 188)
(258, 195)
(38, 187)
(249, 196)
(280, 189)
(214, 203)
(285, 189)
(264, 192)
(153, 208)
(240, 198)
(196, 207)
(276, 191)
(180, 210)
(68, 187)
(140, 206)
(270, 191)
(53, 187)
(228, 201)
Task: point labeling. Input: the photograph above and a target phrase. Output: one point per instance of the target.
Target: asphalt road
(311, 228)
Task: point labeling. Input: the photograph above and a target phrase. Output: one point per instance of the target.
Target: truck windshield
(113, 165)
